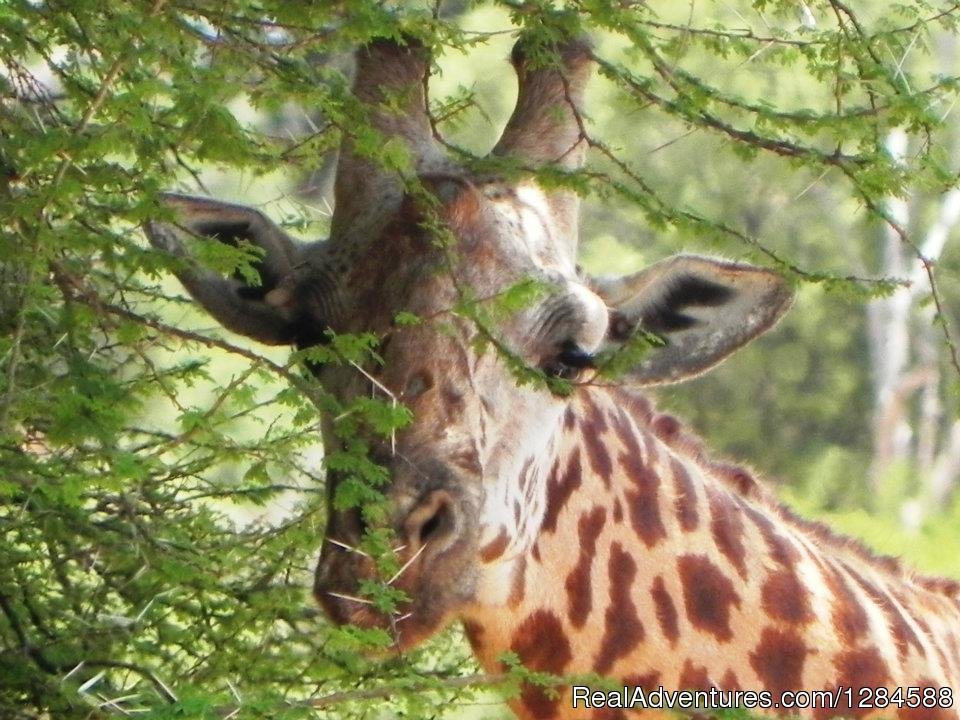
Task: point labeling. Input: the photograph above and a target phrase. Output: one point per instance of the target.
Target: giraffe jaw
(438, 582)
(412, 623)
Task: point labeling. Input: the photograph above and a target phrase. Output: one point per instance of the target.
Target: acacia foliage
(123, 585)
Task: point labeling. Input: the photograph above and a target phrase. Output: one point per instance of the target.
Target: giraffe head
(445, 244)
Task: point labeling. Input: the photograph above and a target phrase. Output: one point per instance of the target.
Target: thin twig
(387, 691)
(928, 268)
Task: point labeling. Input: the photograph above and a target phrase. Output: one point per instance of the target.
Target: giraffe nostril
(430, 527)
(433, 522)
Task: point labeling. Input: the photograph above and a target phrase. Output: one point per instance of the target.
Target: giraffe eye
(569, 362)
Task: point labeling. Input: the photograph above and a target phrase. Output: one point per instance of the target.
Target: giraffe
(584, 531)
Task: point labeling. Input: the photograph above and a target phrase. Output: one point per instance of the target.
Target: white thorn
(344, 596)
(407, 564)
(347, 547)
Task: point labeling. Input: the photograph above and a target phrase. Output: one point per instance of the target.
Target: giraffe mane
(744, 484)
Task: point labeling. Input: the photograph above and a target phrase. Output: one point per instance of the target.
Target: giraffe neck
(656, 566)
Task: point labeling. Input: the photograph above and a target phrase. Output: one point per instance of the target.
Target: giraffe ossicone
(583, 531)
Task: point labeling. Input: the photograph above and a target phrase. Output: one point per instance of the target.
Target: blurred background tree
(161, 488)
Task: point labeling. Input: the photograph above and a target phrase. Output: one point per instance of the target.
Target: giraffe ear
(267, 310)
(702, 309)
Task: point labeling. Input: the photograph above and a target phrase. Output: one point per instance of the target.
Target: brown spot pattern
(598, 456)
(622, 630)
(922, 713)
(541, 644)
(736, 477)
(607, 713)
(518, 582)
(781, 549)
(560, 486)
(729, 681)
(494, 549)
(666, 427)
(849, 618)
(904, 635)
(785, 598)
(647, 681)
(665, 610)
(686, 502)
(707, 595)
(578, 585)
(643, 500)
(726, 527)
(636, 404)
(693, 677)
(596, 422)
(778, 660)
(862, 668)
(628, 435)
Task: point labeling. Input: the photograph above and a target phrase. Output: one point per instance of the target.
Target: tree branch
(386, 691)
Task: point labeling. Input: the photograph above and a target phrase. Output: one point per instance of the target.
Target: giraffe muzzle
(436, 540)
